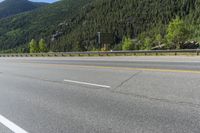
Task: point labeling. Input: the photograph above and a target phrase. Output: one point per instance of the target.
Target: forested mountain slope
(12, 7)
(18, 30)
(127, 18)
(76, 23)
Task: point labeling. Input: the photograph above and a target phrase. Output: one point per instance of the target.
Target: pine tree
(33, 46)
(42, 45)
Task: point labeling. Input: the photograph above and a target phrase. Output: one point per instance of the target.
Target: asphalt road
(100, 95)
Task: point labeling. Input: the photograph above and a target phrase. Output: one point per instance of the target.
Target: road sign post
(105, 40)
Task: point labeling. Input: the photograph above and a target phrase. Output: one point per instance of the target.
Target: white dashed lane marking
(10, 125)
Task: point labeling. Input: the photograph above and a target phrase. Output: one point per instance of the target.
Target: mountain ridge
(13, 7)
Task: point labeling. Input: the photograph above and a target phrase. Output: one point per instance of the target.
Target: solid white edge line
(10, 125)
(85, 83)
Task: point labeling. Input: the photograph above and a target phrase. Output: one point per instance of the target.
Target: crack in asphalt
(47, 80)
(36, 78)
(160, 99)
(128, 79)
(190, 104)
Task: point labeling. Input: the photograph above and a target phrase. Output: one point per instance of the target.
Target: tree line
(38, 47)
(177, 32)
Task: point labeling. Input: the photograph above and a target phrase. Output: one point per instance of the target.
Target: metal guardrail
(108, 53)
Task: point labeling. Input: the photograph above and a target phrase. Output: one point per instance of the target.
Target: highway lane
(180, 63)
(126, 62)
(34, 95)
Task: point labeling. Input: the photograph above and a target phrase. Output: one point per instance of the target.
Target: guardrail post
(175, 53)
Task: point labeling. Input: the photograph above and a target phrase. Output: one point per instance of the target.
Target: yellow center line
(122, 68)
(147, 69)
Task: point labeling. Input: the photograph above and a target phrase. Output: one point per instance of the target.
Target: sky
(49, 1)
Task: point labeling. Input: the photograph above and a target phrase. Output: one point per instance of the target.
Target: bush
(177, 33)
(127, 44)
